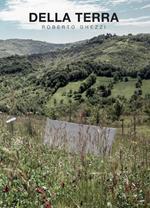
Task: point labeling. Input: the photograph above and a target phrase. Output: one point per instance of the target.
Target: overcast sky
(134, 16)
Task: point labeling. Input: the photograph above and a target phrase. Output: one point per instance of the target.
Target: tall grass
(33, 175)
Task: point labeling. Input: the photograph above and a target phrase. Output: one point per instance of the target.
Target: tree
(116, 76)
(104, 91)
(147, 105)
(118, 109)
(88, 83)
(126, 79)
(90, 92)
(138, 84)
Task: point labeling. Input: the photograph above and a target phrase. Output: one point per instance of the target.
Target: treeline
(81, 70)
(72, 72)
(138, 38)
(87, 84)
(14, 64)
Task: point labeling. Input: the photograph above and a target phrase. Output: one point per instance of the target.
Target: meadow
(33, 175)
(121, 88)
(101, 81)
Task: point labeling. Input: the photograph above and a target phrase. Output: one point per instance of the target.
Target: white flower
(109, 204)
(102, 161)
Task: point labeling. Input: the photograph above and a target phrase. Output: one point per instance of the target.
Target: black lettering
(87, 17)
(42, 17)
(96, 17)
(66, 18)
(56, 16)
(33, 17)
(105, 16)
(79, 16)
(49, 18)
(114, 18)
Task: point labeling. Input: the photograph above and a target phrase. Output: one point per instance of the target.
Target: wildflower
(47, 205)
(127, 187)
(133, 185)
(6, 189)
(109, 204)
(44, 187)
(40, 190)
(134, 142)
(141, 201)
(102, 161)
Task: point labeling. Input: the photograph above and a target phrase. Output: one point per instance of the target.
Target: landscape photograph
(75, 113)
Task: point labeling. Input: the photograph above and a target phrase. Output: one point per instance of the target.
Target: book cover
(74, 103)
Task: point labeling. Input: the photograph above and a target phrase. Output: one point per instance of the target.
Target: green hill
(26, 47)
(103, 81)
(127, 52)
(32, 82)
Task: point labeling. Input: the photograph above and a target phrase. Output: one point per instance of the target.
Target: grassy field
(146, 86)
(62, 92)
(102, 81)
(124, 89)
(127, 88)
(33, 175)
(120, 88)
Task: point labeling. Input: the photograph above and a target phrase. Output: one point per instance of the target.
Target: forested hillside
(31, 83)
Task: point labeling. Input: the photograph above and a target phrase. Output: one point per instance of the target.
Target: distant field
(59, 95)
(102, 81)
(121, 88)
(127, 88)
(124, 88)
(146, 86)
(74, 86)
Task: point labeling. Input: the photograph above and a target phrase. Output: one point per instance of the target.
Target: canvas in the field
(78, 138)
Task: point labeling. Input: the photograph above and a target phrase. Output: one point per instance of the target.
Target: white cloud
(138, 21)
(118, 1)
(146, 6)
(18, 10)
(138, 24)
(135, 19)
(115, 2)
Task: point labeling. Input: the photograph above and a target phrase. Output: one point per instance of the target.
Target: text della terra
(80, 17)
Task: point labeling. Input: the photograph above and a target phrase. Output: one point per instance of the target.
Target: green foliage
(104, 91)
(117, 109)
(90, 92)
(33, 175)
(14, 65)
(87, 84)
(30, 83)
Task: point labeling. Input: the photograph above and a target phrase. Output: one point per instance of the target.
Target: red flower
(47, 204)
(40, 190)
(6, 189)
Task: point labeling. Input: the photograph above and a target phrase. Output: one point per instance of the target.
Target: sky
(134, 17)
